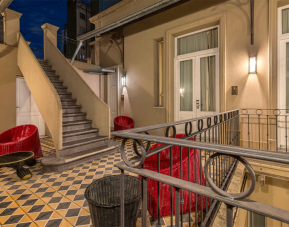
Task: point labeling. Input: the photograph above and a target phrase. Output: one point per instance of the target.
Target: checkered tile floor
(56, 199)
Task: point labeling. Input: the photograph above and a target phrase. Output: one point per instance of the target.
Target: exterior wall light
(123, 81)
(182, 92)
(253, 65)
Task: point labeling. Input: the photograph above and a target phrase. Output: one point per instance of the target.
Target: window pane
(186, 85)
(208, 83)
(285, 21)
(287, 77)
(198, 42)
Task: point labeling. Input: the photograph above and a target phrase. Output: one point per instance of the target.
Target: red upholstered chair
(123, 123)
(21, 138)
(151, 164)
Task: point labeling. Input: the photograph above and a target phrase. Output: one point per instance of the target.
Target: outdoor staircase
(81, 142)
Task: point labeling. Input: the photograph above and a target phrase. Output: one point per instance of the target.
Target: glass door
(207, 89)
(197, 90)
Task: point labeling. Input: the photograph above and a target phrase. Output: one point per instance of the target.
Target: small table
(16, 160)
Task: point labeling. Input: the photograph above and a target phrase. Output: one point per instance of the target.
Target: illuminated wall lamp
(253, 65)
(123, 81)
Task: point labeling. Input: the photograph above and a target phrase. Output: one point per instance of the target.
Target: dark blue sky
(36, 13)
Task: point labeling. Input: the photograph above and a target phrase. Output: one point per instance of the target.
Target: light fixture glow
(123, 81)
(253, 65)
(182, 91)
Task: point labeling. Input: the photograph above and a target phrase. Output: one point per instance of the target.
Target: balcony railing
(67, 47)
(217, 139)
(39, 54)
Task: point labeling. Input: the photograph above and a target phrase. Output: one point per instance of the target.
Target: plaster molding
(122, 5)
(13, 13)
(50, 27)
(273, 64)
(170, 35)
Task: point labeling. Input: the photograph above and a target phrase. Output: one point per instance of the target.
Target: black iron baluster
(189, 179)
(144, 202)
(229, 215)
(177, 207)
(286, 131)
(276, 133)
(205, 162)
(248, 131)
(196, 198)
(267, 132)
(181, 177)
(259, 131)
(122, 224)
(159, 187)
(171, 173)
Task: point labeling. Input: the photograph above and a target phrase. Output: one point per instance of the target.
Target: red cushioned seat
(123, 123)
(151, 164)
(21, 138)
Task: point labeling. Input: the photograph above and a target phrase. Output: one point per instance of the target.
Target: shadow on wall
(109, 54)
(184, 9)
(6, 51)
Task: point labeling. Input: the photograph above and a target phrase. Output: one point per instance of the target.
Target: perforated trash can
(103, 197)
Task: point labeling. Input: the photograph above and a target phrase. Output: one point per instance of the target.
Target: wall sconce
(253, 65)
(123, 81)
(182, 92)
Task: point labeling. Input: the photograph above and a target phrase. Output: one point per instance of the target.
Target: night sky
(36, 13)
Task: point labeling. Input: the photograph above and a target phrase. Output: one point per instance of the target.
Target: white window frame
(281, 74)
(282, 40)
(198, 52)
(202, 53)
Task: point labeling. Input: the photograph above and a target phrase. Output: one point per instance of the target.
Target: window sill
(159, 107)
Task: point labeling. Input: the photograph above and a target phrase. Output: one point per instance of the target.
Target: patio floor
(56, 199)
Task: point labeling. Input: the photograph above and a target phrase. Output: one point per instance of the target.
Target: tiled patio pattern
(56, 199)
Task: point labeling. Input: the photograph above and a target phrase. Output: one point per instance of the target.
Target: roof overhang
(160, 5)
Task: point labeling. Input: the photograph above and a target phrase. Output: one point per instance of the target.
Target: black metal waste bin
(103, 197)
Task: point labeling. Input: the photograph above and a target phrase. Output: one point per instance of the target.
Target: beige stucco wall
(92, 80)
(8, 72)
(140, 57)
(273, 193)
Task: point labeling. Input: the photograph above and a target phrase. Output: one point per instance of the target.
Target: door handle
(198, 104)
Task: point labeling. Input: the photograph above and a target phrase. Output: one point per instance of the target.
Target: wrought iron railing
(264, 129)
(39, 54)
(66, 45)
(1, 29)
(217, 139)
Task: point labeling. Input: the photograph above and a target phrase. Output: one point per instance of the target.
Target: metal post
(122, 198)
(144, 202)
(177, 207)
(229, 215)
(76, 51)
